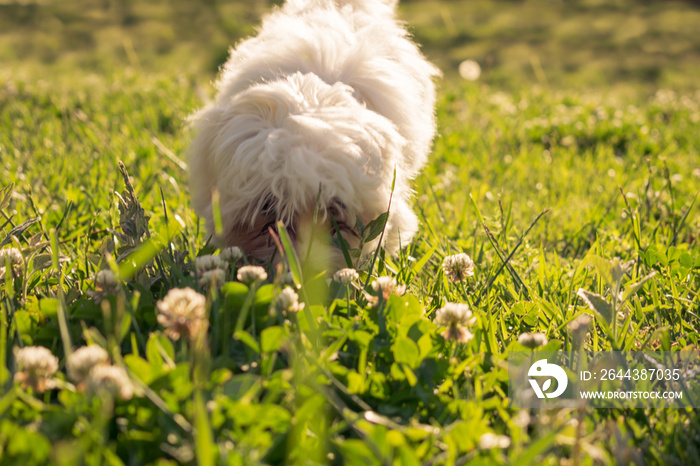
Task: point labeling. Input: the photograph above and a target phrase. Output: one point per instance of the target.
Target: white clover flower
(489, 441)
(217, 276)
(457, 317)
(388, 286)
(208, 262)
(182, 312)
(532, 340)
(522, 419)
(106, 279)
(458, 267)
(250, 274)
(579, 328)
(346, 276)
(13, 254)
(110, 380)
(35, 367)
(289, 300)
(581, 323)
(106, 283)
(232, 254)
(469, 70)
(455, 314)
(15, 258)
(82, 360)
(457, 333)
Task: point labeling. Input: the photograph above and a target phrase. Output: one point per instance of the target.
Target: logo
(542, 369)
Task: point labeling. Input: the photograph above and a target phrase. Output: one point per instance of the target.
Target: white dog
(331, 97)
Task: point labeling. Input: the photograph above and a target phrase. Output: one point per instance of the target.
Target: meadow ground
(585, 112)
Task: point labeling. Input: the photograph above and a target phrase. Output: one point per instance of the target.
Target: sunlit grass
(541, 185)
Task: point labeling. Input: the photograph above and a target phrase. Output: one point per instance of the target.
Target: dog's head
(278, 150)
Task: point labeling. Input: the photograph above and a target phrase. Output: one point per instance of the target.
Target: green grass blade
(61, 316)
(291, 255)
(205, 448)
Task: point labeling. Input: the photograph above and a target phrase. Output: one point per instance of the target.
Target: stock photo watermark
(619, 379)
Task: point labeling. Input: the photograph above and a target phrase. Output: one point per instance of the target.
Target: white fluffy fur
(330, 94)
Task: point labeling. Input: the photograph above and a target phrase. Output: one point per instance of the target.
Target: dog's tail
(367, 6)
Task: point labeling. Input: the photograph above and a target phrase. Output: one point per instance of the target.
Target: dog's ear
(231, 153)
(202, 179)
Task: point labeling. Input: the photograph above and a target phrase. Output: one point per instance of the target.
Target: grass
(604, 147)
